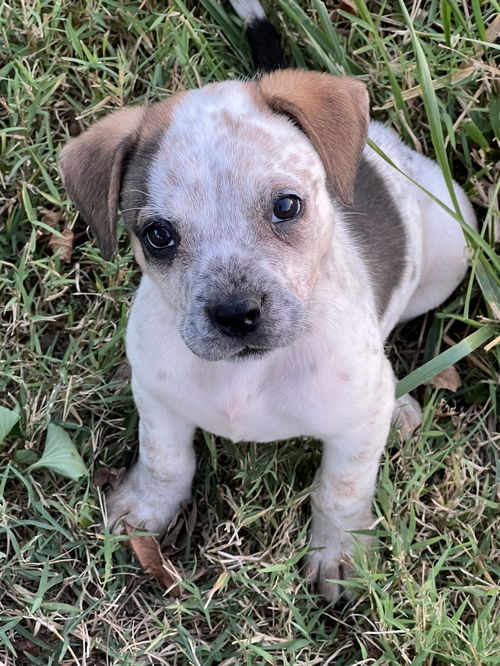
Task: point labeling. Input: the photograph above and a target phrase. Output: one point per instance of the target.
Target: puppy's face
(227, 200)
(233, 222)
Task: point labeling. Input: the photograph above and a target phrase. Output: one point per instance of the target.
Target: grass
(428, 594)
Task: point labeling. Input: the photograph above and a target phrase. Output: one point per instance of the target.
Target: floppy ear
(92, 167)
(332, 111)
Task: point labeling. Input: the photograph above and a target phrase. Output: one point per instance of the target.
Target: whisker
(351, 213)
(140, 192)
(126, 210)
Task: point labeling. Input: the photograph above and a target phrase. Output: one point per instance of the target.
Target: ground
(69, 594)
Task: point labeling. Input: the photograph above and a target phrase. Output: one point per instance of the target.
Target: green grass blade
(432, 108)
(429, 370)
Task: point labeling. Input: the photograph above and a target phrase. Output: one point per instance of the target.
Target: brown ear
(332, 111)
(92, 166)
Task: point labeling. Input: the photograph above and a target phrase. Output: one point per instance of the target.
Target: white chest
(240, 401)
(289, 394)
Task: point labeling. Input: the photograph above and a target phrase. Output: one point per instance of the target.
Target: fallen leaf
(122, 373)
(447, 379)
(63, 245)
(112, 476)
(52, 217)
(148, 552)
(493, 30)
(25, 645)
(349, 6)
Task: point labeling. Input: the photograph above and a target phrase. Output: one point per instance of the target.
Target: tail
(264, 40)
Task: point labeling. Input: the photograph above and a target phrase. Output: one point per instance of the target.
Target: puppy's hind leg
(445, 254)
(160, 481)
(407, 414)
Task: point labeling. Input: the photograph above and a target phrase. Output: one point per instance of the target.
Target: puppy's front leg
(341, 502)
(155, 487)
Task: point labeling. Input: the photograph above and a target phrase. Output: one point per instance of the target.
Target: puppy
(278, 251)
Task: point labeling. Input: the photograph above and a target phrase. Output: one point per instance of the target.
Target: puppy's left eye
(286, 207)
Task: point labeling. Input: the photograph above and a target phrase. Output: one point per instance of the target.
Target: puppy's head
(227, 192)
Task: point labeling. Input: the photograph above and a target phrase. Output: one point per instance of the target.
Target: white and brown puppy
(278, 252)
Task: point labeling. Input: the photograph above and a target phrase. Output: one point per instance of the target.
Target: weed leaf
(60, 455)
(8, 419)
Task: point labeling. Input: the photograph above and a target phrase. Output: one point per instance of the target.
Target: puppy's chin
(216, 347)
(214, 352)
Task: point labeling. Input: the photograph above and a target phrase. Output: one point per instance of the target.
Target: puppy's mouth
(250, 352)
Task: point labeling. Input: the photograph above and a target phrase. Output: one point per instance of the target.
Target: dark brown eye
(159, 236)
(286, 207)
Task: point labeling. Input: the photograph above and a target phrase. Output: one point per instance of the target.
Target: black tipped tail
(265, 42)
(262, 35)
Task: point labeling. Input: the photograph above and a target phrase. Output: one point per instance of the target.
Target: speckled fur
(213, 170)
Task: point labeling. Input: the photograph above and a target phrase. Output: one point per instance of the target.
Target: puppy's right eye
(159, 236)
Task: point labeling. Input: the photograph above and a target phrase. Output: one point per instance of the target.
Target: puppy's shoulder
(380, 218)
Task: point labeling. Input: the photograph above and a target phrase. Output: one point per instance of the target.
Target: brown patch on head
(93, 164)
(244, 131)
(331, 111)
(227, 120)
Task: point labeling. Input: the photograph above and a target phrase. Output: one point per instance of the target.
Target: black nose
(237, 316)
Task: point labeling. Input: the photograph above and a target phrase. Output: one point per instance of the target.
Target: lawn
(70, 594)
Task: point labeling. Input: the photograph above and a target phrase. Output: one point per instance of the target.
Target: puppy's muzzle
(238, 315)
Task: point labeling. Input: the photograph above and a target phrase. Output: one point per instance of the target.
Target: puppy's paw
(333, 561)
(150, 510)
(325, 565)
(407, 415)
